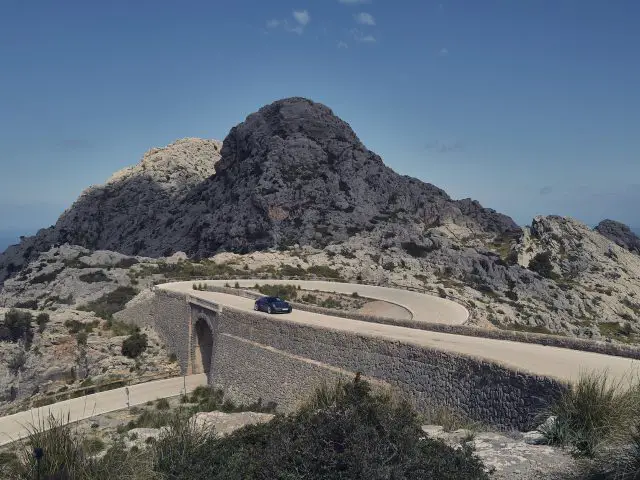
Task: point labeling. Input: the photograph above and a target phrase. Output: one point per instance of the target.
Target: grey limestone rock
(620, 234)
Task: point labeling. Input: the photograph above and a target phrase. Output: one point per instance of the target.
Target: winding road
(559, 363)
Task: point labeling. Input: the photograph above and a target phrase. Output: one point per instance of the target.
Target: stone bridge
(281, 358)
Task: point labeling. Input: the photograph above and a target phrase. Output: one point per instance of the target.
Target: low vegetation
(42, 320)
(541, 264)
(286, 292)
(345, 432)
(596, 415)
(94, 277)
(17, 327)
(113, 302)
(134, 345)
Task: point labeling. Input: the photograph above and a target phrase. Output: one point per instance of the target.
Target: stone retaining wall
(483, 391)
(171, 319)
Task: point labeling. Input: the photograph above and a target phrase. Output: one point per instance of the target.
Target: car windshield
(274, 299)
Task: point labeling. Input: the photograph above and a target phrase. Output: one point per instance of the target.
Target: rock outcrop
(139, 210)
(620, 234)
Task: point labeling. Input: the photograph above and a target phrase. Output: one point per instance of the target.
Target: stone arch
(202, 341)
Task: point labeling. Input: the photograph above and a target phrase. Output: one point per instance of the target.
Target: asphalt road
(16, 426)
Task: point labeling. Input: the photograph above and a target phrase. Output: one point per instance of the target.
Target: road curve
(16, 426)
(423, 307)
(560, 363)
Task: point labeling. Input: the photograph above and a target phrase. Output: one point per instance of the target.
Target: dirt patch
(380, 308)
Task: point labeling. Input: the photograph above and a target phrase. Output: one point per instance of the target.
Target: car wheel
(290, 309)
(255, 307)
(269, 310)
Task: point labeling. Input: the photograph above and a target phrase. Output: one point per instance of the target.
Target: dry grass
(596, 413)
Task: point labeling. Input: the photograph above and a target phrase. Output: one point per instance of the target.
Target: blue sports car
(272, 305)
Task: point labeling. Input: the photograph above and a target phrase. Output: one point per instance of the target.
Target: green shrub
(17, 326)
(309, 298)
(42, 319)
(511, 295)
(389, 266)
(94, 277)
(67, 455)
(134, 345)
(113, 302)
(287, 292)
(46, 277)
(121, 328)
(81, 338)
(331, 303)
(346, 432)
(418, 251)
(541, 264)
(162, 404)
(30, 304)
(76, 326)
(17, 361)
(323, 271)
(93, 445)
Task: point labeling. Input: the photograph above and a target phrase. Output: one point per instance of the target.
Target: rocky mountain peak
(289, 121)
(182, 163)
(620, 234)
(291, 173)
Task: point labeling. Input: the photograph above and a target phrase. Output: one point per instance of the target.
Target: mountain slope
(130, 213)
(293, 172)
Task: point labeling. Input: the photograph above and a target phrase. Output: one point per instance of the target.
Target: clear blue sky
(530, 106)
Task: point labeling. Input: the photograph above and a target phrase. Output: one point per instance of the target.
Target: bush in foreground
(346, 432)
(595, 413)
(67, 456)
(343, 432)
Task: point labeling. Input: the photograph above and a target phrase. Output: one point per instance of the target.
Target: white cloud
(302, 17)
(364, 18)
(342, 44)
(361, 37)
(299, 29)
(443, 52)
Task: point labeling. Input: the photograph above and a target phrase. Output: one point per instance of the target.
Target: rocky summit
(292, 172)
(619, 233)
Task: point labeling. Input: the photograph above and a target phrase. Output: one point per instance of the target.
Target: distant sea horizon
(12, 237)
